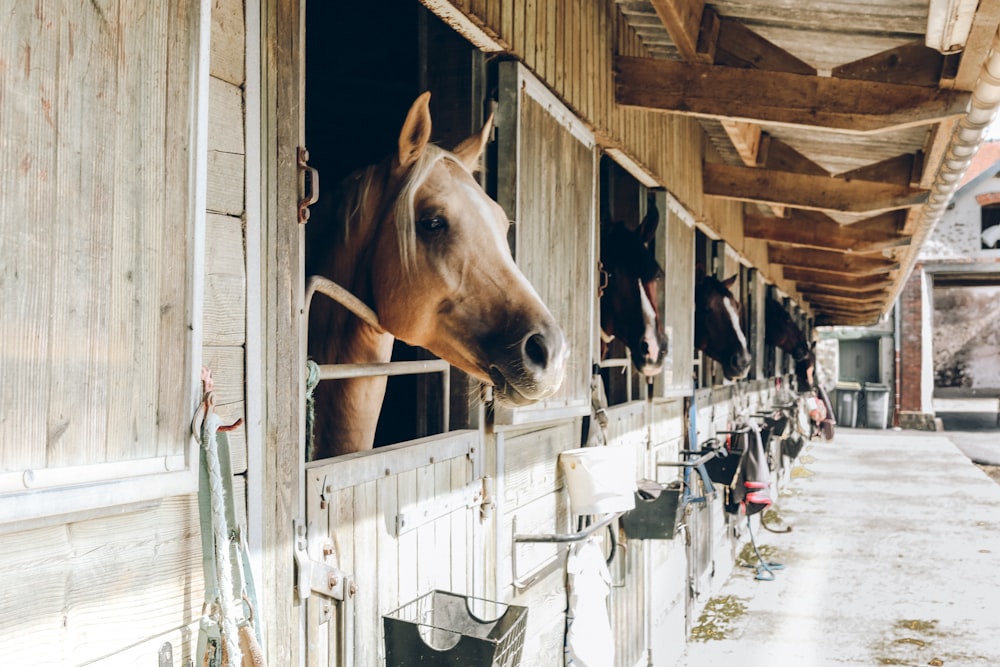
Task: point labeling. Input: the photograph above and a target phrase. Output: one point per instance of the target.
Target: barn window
(990, 227)
(100, 260)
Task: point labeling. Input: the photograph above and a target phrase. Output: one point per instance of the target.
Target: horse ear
(470, 150)
(416, 131)
(647, 228)
(728, 282)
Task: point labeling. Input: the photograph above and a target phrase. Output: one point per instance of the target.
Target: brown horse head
(781, 331)
(630, 273)
(426, 249)
(717, 330)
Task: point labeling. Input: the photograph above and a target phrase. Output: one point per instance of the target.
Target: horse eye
(433, 224)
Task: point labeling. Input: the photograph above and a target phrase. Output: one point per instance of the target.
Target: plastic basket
(654, 518)
(443, 629)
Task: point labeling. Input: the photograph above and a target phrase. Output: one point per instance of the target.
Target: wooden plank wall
(127, 588)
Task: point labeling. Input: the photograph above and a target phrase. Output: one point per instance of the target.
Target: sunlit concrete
(893, 559)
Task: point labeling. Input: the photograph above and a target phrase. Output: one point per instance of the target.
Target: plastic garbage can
(876, 405)
(847, 403)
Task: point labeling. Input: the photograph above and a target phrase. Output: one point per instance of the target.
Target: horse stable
(343, 283)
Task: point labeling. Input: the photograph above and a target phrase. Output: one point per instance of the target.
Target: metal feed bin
(876, 405)
(444, 629)
(847, 403)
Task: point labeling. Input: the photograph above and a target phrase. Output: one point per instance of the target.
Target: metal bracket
(479, 493)
(316, 576)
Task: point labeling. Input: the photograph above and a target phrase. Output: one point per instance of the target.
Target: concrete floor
(894, 559)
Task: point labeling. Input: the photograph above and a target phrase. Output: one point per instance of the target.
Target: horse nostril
(536, 350)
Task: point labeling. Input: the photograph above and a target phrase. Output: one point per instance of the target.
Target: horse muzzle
(532, 369)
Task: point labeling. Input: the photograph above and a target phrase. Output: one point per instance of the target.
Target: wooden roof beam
(836, 279)
(813, 229)
(808, 289)
(825, 299)
(820, 193)
(786, 98)
(912, 63)
(682, 20)
(834, 262)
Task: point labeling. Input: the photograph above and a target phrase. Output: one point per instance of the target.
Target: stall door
(383, 529)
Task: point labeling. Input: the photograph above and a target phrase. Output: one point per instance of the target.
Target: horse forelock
(404, 207)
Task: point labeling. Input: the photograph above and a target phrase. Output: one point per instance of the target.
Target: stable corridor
(893, 559)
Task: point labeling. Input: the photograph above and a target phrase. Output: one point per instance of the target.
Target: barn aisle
(892, 560)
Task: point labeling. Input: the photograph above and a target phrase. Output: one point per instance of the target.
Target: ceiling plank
(682, 20)
(912, 63)
(837, 279)
(779, 97)
(813, 229)
(824, 260)
(821, 193)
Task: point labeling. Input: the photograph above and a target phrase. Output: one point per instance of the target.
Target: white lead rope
(344, 297)
(220, 532)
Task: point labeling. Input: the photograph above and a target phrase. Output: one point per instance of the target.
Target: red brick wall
(911, 354)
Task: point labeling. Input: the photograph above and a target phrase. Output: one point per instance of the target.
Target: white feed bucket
(600, 480)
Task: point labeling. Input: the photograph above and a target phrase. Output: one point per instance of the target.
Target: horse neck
(348, 410)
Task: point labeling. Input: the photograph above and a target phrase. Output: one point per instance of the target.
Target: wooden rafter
(913, 63)
(901, 170)
(739, 46)
(813, 229)
(834, 262)
(821, 193)
(848, 301)
(827, 290)
(780, 97)
(682, 20)
(838, 279)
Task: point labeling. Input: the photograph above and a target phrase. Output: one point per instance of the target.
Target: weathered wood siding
(92, 201)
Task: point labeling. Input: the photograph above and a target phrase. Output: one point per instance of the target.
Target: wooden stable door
(390, 526)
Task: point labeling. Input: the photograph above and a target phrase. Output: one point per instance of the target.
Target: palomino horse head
(781, 331)
(717, 330)
(423, 245)
(628, 301)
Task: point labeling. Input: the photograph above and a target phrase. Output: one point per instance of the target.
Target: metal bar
(708, 456)
(555, 562)
(343, 371)
(566, 537)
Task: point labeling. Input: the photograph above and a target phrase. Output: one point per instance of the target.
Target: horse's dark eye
(435, 223)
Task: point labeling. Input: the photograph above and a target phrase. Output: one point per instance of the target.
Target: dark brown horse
(717, 329)
(629, 275)
(781, 331)
(419, 242)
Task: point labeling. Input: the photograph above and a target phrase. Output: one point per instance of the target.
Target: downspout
(966, 139)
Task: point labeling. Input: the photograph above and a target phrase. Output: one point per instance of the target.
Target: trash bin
(847, 403)
(877, 405)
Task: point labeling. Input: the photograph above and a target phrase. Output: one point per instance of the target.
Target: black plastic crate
(654, 518)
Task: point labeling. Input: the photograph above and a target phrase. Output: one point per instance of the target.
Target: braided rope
(220, 532)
